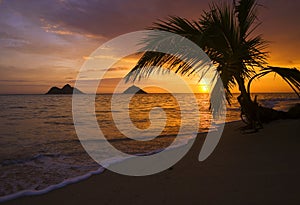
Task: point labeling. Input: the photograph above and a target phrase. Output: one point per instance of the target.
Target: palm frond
(290, 75)
(246, 11)
(184, 61)
(181, 26)
(230, 48)
(218, 99)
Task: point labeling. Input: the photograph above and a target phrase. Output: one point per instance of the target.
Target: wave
(51, 187)
(8, 162)
(17, 107)
(21, 161)
(105, 164)
(282, 104)
(279, 99)
(30, 192)
(59, 123)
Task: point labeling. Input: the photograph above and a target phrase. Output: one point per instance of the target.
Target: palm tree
(226, 34)
(292, 77)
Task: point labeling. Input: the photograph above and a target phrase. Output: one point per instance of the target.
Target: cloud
(118, 69)
(104, 18)
(50, 39)
(61, 30)
(11, 75)
(13, 43)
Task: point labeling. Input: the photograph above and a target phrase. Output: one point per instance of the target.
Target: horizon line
(147, 93)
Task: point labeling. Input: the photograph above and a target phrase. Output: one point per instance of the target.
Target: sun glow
(204, 88)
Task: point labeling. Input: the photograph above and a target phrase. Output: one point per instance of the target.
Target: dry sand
(260, 168)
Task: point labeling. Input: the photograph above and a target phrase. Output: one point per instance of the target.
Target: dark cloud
(109, 18)
(113, 17)
(105, 17)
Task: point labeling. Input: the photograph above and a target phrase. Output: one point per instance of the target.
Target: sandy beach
(88, 87)
(258, 168)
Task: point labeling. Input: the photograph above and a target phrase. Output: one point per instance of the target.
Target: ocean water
(40, 151)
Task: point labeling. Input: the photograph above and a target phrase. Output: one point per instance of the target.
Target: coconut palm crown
(226, 33)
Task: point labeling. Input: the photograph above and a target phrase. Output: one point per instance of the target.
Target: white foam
(51, 187)
(82, 177)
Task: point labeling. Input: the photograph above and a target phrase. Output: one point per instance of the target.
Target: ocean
(40, 151)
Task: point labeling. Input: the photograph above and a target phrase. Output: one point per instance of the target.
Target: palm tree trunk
(243, 92)
(255, 114)
(248, 107)
(242, 87)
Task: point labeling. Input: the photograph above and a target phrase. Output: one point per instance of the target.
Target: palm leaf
(185, 61)
(290, 75)
(246, 11)
(224, 33)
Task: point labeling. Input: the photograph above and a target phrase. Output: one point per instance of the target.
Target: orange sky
(44, 43)
(114, 75)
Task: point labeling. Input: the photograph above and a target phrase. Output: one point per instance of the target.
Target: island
(67, 89)
(134, 89)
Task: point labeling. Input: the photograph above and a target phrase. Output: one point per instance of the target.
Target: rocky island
(134, 89)
(67, 89)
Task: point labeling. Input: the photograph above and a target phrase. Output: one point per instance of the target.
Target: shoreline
(183, 175)
(69, 181)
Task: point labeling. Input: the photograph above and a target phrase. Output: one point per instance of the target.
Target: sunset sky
(44, 43)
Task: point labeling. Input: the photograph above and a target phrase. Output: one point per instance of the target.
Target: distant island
(67, 89)
(134, 89)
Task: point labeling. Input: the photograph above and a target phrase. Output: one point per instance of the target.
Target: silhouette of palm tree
(226, 33)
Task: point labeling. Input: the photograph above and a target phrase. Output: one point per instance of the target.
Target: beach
(258, 168)
(149, 102)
